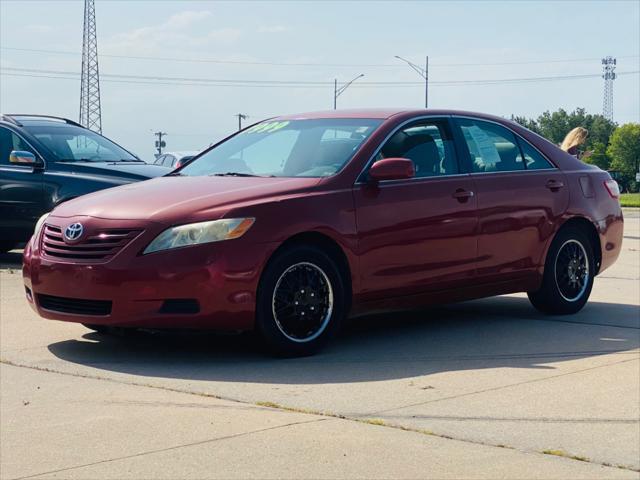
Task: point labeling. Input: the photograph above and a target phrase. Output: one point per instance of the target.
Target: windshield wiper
(237, 174)
(75, 160)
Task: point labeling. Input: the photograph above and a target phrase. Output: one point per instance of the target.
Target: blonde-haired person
(573, 140)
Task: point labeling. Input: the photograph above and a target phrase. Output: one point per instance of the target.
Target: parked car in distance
(45, 161)
(291, 224)
(174, 159)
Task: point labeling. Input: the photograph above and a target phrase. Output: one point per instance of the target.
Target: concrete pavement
(489, 374)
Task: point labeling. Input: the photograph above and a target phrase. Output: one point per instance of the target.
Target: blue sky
(564, 38)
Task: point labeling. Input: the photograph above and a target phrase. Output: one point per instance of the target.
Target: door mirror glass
(21, 157)
(392, 169)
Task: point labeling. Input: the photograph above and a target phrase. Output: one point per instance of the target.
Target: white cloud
(272, 29)
(185, 19)
(187, 29)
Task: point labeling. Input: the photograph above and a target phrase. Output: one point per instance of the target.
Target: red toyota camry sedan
(293, 223)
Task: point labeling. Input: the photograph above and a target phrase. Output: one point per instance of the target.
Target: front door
(21, 196)
(417, 235)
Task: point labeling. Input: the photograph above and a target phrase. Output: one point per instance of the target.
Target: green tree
(529, 123)
(598, 156)
(624, 151)
(554, 126)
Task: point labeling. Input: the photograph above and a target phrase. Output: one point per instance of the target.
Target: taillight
(613, 188)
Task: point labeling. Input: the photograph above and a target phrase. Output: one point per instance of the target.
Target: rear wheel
(301, 301)
(568, 274)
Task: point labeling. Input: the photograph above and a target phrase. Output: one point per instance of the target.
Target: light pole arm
(346, 85)
(421, 71)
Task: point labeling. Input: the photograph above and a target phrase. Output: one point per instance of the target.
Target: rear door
(21, 194)
(417, 235)
(521, 196)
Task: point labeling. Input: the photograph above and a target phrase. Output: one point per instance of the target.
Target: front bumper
(221, 278)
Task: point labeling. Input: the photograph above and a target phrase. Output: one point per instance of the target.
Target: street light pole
(241, 116)
(424, 73)
(339, 91)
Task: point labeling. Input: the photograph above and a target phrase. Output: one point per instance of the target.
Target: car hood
(180, 199)
(123, 170)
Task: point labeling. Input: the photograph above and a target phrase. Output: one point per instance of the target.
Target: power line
(148, 79)
(310, 64)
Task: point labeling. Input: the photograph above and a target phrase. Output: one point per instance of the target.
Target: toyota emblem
(73, 232)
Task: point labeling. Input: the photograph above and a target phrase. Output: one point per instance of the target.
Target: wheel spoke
(302, 302)
(572, 270)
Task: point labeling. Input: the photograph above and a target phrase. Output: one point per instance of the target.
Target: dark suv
(45, 161)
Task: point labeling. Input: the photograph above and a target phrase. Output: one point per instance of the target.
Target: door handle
(554, 185)
(462, 195)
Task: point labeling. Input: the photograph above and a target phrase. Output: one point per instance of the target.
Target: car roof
(183, 153)
(384, 113)
(24, 119)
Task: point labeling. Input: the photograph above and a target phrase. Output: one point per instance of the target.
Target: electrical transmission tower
(609, 75)
(90, 114)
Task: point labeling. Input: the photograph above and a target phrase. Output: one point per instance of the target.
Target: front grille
(75, 305)
(103, 245)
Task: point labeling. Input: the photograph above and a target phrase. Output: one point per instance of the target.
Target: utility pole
(241, 116)
(609, 75)
(424, 73)
(90, 111)
(160, 144)
(339, 91)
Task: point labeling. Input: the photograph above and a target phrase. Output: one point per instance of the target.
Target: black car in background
(45, 161)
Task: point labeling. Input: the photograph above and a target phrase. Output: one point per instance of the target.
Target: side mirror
(20, 157)
(392, 169)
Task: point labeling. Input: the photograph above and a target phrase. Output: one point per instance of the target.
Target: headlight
(198, 233)
(39, 225)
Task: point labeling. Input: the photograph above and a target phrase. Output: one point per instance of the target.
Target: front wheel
(568, 274)
(301, 301)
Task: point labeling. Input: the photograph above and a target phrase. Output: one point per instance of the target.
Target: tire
(97, 328)
(566, 285)
(301, 281)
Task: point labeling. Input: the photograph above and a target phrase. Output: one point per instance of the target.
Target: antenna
(609, 75)
(90, 112)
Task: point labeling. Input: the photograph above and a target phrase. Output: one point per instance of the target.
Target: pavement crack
(501, 387)
(324, 414)
(167, 449)
(457, 418)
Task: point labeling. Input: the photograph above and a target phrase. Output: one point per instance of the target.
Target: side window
(532, 158)
(159, 160)
(428, 144)
(492, 148)
(168, 160)
(9, 141)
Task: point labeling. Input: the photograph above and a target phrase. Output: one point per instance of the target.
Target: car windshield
(286, 148)
(69, 143)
